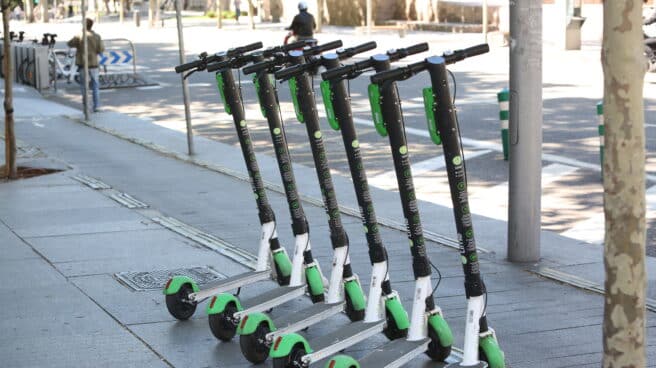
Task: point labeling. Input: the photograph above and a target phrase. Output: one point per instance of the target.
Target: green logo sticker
(457, 160)
(317, 134)
(473, 257)
(276, 131)
(469, 234)
(461, 185)
(366, 230)
(403, 150)
(463, 259)
(355, 144)
(242, 123)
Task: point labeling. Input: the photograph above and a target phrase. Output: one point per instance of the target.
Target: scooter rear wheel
(222, 324)
(254, 346)
(292, 360)
(179, 305)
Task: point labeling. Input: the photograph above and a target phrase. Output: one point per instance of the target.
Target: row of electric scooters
(425, 329)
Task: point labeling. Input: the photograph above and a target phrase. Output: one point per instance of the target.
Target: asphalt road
(572, 201)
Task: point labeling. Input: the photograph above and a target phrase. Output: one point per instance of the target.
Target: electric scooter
(182, 293)
(384, 312)
(480, 339)
(428, 332)
(255, 328)
(345, 292)
(305, 272)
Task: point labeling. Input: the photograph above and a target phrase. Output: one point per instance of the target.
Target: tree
(10, 137)
(624, 185)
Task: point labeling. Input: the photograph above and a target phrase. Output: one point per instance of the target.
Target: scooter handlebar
(244, 49)
(351, 51)
(262, 65)
(401, 53)
(284, 48)
(188, 66)
(287, 73)
(458, 55)
(325, 47)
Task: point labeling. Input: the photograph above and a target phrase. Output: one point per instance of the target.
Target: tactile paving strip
(155, 280)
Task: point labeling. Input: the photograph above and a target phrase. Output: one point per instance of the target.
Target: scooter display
(183, 293)
(384, 312)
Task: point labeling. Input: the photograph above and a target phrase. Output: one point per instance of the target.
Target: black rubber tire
(353, 314)
(254, 346)
(222, 325)
(177, 304)
(293, 360)
(436, 351)
(392, 331)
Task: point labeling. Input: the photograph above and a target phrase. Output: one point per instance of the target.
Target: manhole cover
(155, 280)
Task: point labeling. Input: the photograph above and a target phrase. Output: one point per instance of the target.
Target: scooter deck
(270, 299)
(231, 283)
(394, 354)
(338, 340)
(307, 317)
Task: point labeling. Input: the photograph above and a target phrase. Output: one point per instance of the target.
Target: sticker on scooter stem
(327, 94)
(293, 88)
(376, 110)
(221, 85)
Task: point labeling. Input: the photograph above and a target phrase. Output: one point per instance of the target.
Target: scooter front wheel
(293, 359)
(490, 352)
(254, 346)
(222, 324)
(179, 305)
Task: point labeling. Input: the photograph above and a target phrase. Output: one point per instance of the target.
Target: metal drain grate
(209, 241)
(92, 183)
(155, 280)
(128, 200)
(581, 283)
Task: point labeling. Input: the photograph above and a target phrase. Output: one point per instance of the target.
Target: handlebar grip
(287, 73)
(379, 78)
(362, 48)
(326, 46)
(187, 66)
(337, 72)
(216, 66)
(253, 68)
(294, 45)
(416, 49)
(244, 49)
(465, 53)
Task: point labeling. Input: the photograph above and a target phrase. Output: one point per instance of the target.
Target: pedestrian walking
(95, 44)
(237, 11)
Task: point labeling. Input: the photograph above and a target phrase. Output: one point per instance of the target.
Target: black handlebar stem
(408, 71)
(341, 54)
(354, 70)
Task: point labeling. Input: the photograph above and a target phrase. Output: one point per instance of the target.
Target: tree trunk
(624, 185)
(29, 12)
(218, 10)
(251, 10)
(152, 9)
(45, 16)
(10, 138)
(319, 19)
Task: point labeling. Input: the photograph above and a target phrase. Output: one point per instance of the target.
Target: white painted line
(144, 88)
(388, 179)
(593, 229)
(493, 202)
(650, 125)
(199, 84)
(497, 147)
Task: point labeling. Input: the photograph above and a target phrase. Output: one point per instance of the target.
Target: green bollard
(600, 128)
(504, 115)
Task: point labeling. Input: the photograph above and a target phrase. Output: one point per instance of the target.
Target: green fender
(283, 345)
(395, 308)
(439, 325)
(221, 86)
(495, 356)
(342, 361)
(176, 282)
(219, 302)
(281, 260)
(314, 281)
(355, 293)
(249, 323)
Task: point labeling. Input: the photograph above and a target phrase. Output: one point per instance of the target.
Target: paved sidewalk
(64, 245)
